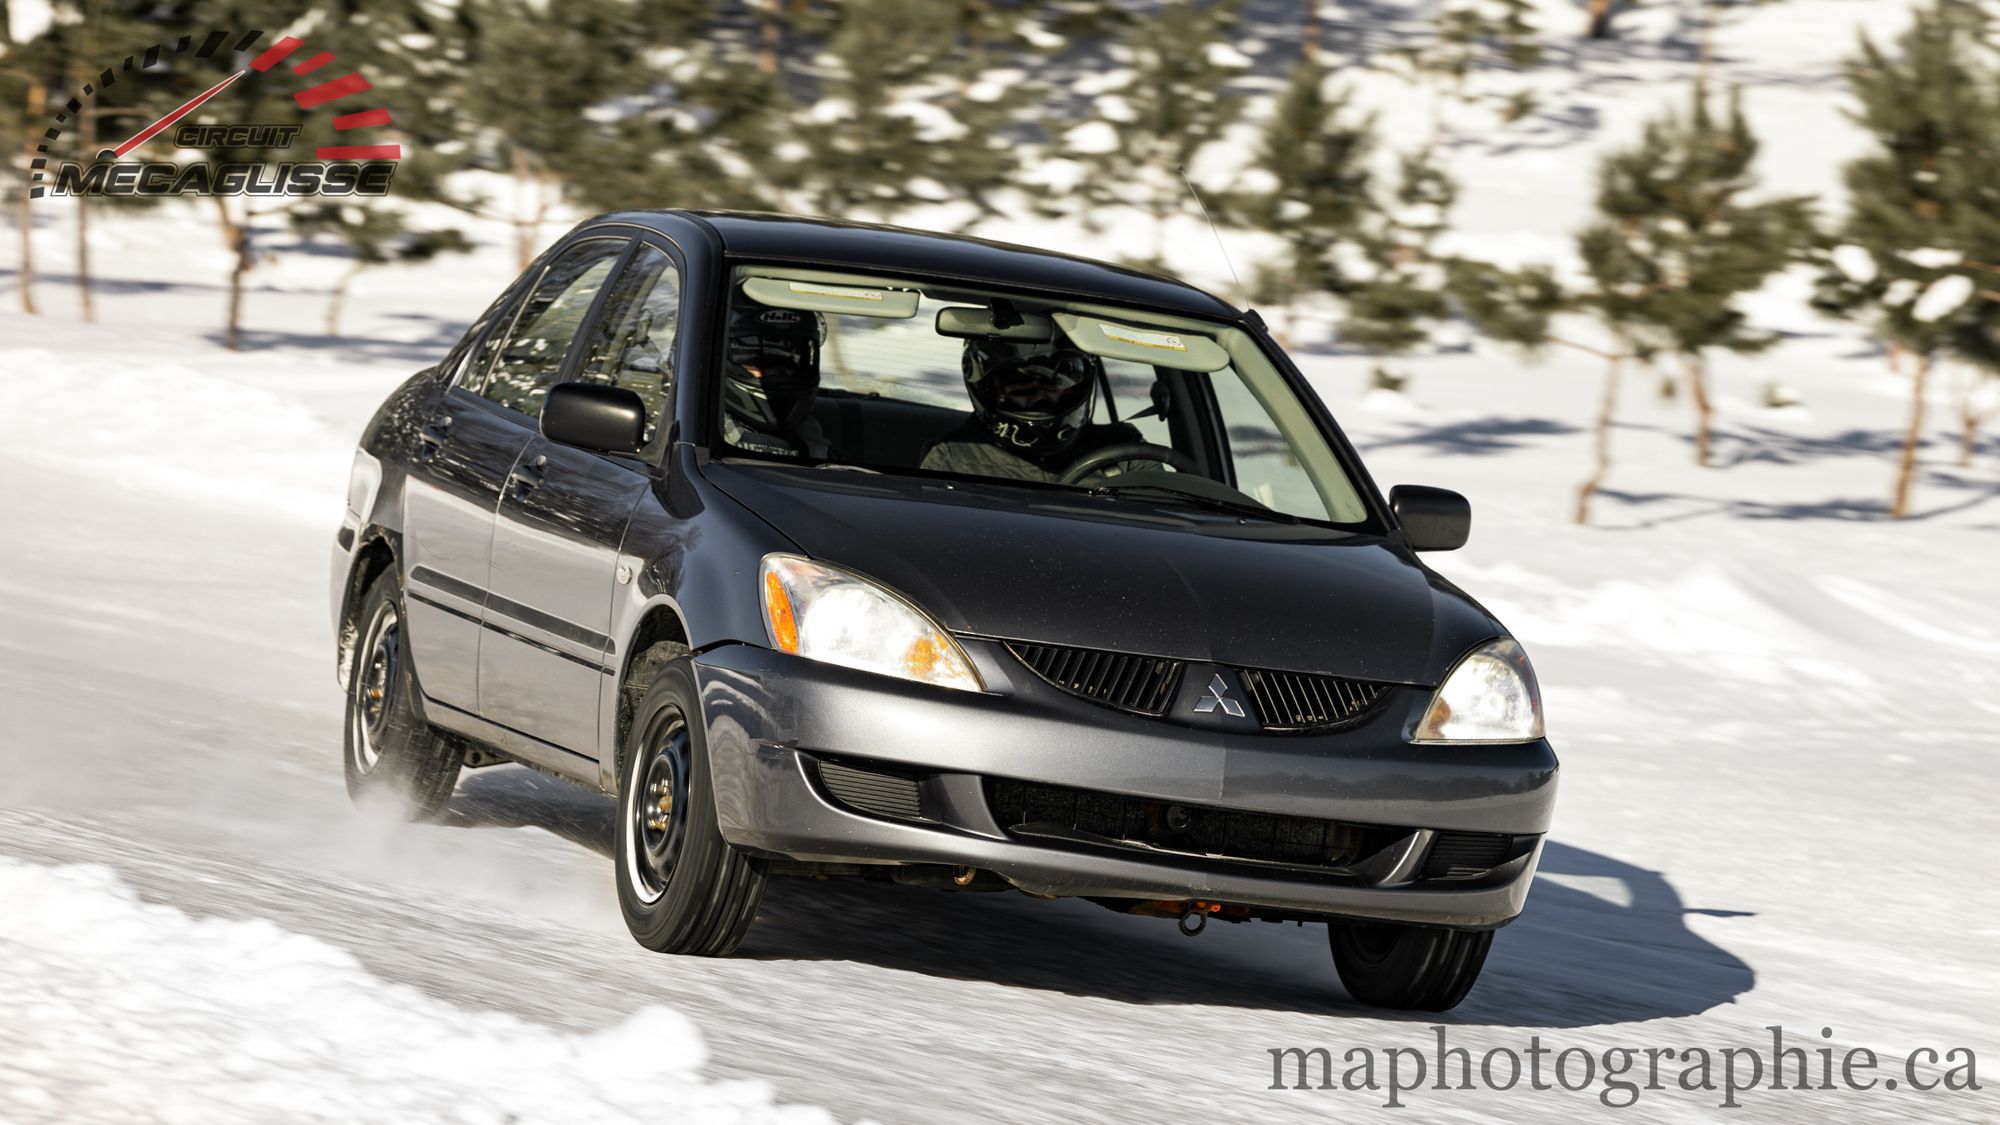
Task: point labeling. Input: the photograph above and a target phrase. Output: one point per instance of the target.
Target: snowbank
(156, 424)
(112, 1009)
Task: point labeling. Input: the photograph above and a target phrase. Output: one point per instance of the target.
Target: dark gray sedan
(841, 550)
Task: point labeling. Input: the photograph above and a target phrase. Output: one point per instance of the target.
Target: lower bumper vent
(1084, 816)
(878, 790)
(1462, 855)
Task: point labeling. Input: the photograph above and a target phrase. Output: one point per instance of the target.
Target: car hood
(1068, 568)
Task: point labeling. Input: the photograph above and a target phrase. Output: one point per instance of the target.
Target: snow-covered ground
(129, 1010)
(1776, 712)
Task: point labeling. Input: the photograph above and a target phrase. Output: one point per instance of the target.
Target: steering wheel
(1126, 451)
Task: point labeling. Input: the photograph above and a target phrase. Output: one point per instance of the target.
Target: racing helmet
(1033, 398)
(770, 370)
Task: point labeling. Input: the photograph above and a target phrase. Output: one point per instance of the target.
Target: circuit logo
(341, 166)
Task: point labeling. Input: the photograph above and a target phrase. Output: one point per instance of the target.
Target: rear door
(465, 449)
(548, 652)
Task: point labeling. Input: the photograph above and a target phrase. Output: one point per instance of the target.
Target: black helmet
(1033, 398)
(771, 365)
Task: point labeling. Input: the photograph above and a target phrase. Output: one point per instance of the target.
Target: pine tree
(1151, 120)
(540, 91)
(899, 120)
(1674, 207)
(1472, 31)
(65, 58)
(1599, 14)
(1395, 309)
(1519, 308)
(376, 236)
(389, 41)
(1466, 36)
(1920, 251)
(256, 97)
(1316, 191)
(23, 111)
(705, 134)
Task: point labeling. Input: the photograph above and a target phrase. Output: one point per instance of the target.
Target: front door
(548, 652)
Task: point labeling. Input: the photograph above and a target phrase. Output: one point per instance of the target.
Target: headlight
(825, 614)
(1490, 696)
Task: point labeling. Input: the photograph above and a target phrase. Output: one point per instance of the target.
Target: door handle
(432, 437)
(526, 477)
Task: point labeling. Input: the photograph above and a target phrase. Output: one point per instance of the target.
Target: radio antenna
(1241, 292)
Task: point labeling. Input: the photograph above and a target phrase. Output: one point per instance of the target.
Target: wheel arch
(661, 634)
(375, 554)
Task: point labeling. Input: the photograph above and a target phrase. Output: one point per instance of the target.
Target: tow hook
(1194, 919)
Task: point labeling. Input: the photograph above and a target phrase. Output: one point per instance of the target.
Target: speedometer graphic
(348, 155)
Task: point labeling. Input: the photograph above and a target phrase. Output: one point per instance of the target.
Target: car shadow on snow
(1602, 941)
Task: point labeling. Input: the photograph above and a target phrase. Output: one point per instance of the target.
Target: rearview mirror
(596, 417)
(1433, 519)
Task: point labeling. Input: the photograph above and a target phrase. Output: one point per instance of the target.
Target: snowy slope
(241, 1021)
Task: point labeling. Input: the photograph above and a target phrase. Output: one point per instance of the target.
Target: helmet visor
(773, 360)
(1040, 386)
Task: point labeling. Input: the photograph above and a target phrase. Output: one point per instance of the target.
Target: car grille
(1144, 684)
(1026, 808)
(1292, 701)
(881, 790)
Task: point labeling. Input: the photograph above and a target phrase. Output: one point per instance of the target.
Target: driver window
(632, 345)
(1132, 393)
(531, 356)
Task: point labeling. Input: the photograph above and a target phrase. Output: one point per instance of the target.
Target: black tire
(681, 887)
(1413, 968)
(392, 758)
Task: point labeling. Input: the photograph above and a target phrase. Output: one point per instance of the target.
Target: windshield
(896, 375)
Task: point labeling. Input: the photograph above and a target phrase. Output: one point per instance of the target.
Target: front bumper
(771, 718)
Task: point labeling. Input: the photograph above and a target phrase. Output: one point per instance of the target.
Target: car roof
(868, 246)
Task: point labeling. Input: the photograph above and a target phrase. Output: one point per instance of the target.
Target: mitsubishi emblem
(1218, 696)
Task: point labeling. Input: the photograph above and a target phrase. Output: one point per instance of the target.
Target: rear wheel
(392, 759)
(681, 887)
(1417, 968)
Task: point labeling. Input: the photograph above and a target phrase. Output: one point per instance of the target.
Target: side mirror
(1433, 519)
(593, 416)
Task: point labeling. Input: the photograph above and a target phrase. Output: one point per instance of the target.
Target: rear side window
(529, 357)
(469, 360)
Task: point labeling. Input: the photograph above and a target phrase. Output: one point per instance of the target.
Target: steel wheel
(681, 887)
(655, 813)
(373, 698)
(391, 756)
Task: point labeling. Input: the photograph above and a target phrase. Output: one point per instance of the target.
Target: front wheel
(1414, 968)
(681, 887)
